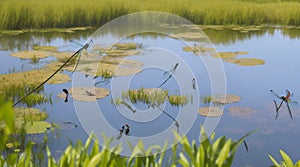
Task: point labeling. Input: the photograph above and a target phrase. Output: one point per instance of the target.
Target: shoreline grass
(32, 14)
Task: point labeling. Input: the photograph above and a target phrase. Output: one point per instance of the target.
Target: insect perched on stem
(286, 99)
(76, 54)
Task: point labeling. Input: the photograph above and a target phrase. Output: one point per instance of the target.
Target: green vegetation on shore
(23, 14)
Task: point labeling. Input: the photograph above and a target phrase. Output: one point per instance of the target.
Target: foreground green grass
(26, 14)
(209, 152)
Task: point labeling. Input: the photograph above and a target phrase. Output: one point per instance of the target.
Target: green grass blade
(286, 159)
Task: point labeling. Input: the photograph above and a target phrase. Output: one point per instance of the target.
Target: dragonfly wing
(275, 94)
(77, 62)
(75, 43)
(167, 73)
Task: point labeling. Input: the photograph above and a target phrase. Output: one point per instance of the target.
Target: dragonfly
(169, 73)
(76, 54)
(286, 99)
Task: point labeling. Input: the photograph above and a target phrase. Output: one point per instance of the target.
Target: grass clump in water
(146, 95)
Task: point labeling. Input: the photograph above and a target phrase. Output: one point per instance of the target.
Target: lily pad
(246, 61)
(224, 55)
(88, 94)
(226, 99)
(241, 111)
(36, 127)
(210, 111)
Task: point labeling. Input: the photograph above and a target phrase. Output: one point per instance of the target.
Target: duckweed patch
(210, 111)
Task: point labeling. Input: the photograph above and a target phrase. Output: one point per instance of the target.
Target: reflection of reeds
(70, 13)
(206, 99)
(178, 100)
(105, 74)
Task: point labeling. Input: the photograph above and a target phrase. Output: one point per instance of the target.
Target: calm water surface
(278, 47)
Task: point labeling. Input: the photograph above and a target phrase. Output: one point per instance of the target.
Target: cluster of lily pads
(31, 119)
(18, 84)
(217, 101)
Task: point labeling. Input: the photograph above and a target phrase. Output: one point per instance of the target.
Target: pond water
(278, 47)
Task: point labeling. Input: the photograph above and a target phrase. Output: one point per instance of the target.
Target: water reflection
(26, 41)
(225, 36)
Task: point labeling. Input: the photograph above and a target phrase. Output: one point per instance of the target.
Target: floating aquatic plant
(121, 53)
(225, 55)
(36, 127)
(126, 46)
(198, 49)
(88, 94)
(195, 36)
(246, 61)
(25, 117)
(241, 111)
(225, 99)
(45, 48)
(210, 111)
(231, 57)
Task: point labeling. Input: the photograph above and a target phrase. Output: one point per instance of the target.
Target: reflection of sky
(251, 83)
(279, 72)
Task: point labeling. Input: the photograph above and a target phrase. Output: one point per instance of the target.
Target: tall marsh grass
(27, 14)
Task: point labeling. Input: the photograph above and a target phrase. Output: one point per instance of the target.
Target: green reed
(71, 13)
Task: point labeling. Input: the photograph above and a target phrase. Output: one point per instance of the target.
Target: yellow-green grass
(31, 14)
